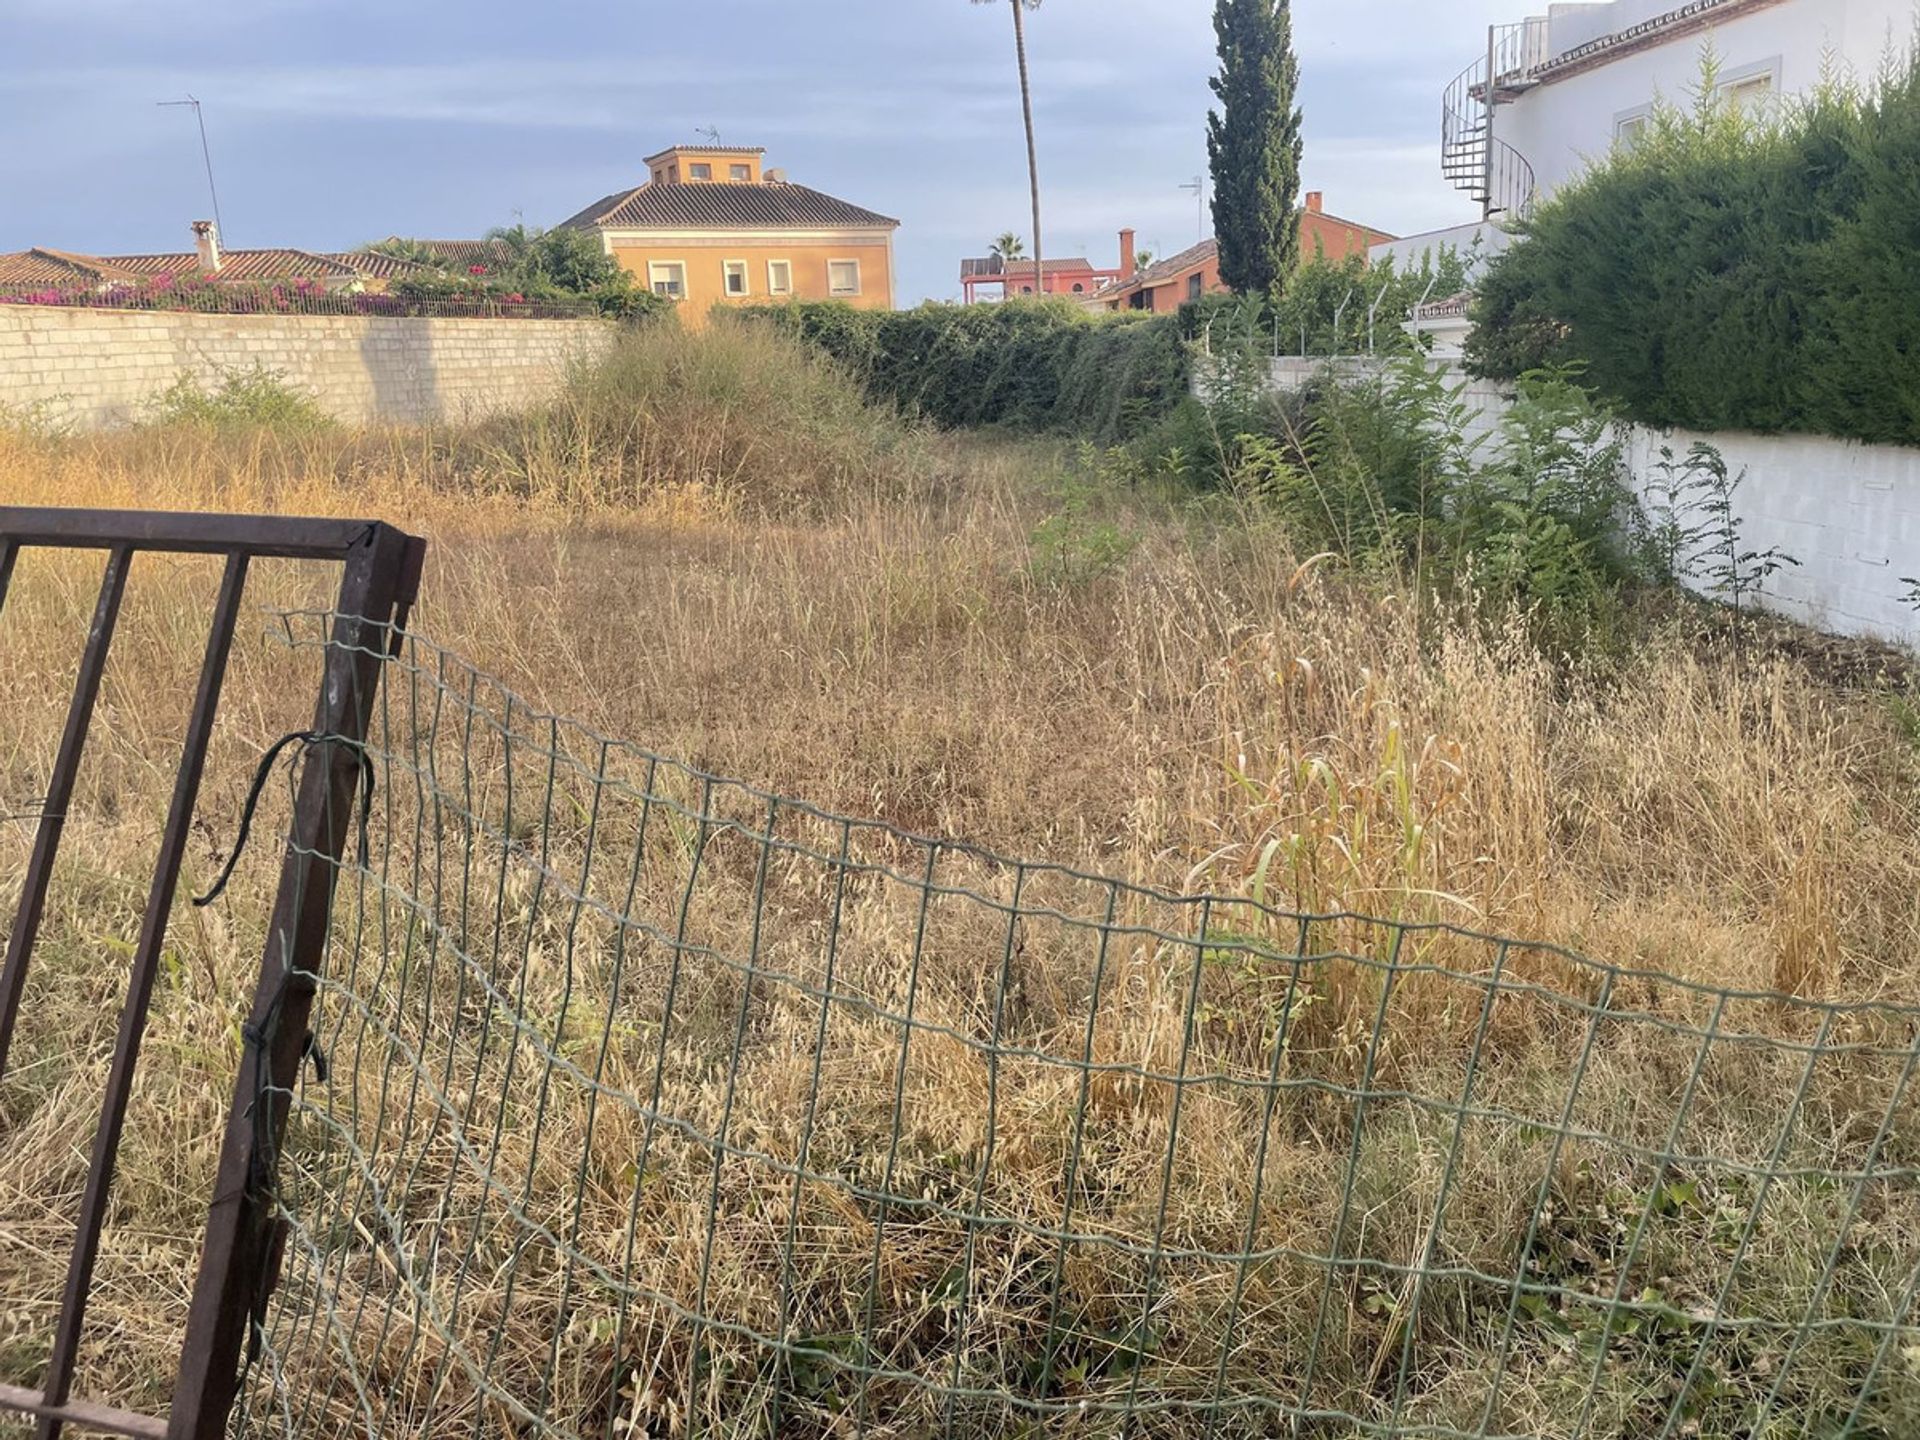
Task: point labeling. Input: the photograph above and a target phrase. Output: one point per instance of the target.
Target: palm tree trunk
(1033, 154)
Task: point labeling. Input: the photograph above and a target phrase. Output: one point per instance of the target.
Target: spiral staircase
(1477, 161)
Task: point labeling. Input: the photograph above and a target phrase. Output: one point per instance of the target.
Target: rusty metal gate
(239, 1256)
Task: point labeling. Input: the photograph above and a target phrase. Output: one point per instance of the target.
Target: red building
(1014, 278)
(1168, 284)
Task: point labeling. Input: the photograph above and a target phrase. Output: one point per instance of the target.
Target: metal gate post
(238, 1263)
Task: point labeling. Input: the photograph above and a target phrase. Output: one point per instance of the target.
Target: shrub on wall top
(1733, 272)
(1036, 365)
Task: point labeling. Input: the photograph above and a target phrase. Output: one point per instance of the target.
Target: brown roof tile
(275, 264)
(706, 205)
(375, 266)
(39, 267)
(466, 252)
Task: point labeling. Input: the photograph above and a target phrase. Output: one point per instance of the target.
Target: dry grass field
(714, 551)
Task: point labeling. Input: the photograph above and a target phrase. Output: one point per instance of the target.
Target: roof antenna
(205, 154)
(712, 134)
(1199, 189)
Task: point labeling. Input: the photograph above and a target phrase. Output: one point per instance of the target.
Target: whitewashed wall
(1565, 124)
(1849, 513)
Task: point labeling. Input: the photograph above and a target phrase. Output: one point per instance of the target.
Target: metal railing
(381, 571)
(1498, 177)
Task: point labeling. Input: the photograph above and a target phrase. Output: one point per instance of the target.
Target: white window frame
(695, 166)
(858, 280)
(654, 267)
(1630, 123)
(1768, 70)
(739, 174)
(774, 288)
(730, 268)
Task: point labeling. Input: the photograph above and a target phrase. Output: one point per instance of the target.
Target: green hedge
(1032, 365)
(1732, 274)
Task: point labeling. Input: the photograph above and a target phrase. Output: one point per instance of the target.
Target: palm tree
(1143, 260)
(1009, 246)
(1019, 8)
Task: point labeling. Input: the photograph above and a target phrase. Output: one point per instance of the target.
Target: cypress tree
(1253, 144)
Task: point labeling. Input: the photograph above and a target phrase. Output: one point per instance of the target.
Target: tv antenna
(711, 132)
(1199, 188)
(206, 154)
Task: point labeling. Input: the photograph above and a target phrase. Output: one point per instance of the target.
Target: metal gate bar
(382, 571)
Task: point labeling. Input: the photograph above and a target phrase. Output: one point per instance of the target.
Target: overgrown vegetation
(1026, 365)
(1046, 649)
(531, 266)
(238, 400)
(1732, 269)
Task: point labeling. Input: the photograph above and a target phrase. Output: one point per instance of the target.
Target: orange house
(1168, 284)
(711, 226)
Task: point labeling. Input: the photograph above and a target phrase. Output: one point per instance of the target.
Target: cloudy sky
(335, 122)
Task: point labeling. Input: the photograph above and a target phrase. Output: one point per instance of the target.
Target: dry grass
(845, 612)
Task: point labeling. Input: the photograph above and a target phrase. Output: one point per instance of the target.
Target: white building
(1545, 97)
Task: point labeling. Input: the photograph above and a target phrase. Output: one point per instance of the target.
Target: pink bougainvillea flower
(476, 269)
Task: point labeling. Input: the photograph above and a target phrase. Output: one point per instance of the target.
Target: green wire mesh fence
(646, 1103)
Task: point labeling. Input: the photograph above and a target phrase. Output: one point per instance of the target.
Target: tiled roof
(375, 266)
(467, 252)
(276, 264)
(1681, 20)
(705, 205)
(40, 267)
(1174, 266)
(1161, 272)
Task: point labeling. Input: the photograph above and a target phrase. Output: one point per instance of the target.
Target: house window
(740, 174)
(700, 172)
(1630, 129)
(1078, 288)
(1751, 87)
(737, 277)
(668, 278)
(843, 277)
(779, 277)
(1195, 283)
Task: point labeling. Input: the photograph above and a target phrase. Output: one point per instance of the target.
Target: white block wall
(99, 368)
(1849, 513)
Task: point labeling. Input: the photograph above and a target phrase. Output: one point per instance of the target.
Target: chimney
(206, 239)
(1126, 253)
(1315, 199)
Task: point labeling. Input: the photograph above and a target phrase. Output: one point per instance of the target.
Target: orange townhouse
(1168, 284)
(710, 225)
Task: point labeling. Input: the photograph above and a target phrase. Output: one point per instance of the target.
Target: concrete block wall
(1849, 513)
(95, 369)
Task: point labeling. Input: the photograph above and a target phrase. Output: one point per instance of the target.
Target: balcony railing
(1498, 177)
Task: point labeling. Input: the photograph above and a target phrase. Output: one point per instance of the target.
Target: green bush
(1028, 365)
(1733, 272)
(1333, 307)
(1380, 473)
(239, 399)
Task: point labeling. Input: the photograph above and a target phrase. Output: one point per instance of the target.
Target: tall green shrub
(1028, 365)
(1254, 144)
(1733, 272)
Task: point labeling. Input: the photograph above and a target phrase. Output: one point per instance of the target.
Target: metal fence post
(238, 1262)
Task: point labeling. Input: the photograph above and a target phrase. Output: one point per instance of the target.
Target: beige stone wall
(99, 368)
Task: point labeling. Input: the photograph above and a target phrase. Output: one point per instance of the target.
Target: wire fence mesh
(644, 1102)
